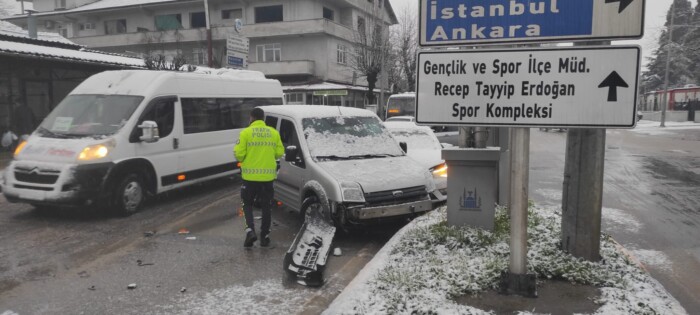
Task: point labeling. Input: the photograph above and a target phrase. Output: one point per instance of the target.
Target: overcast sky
(655, 18)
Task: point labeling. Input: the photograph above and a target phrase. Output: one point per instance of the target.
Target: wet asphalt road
(651, 202)
(81, 262)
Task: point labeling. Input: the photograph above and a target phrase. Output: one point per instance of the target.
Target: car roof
(405, 125)
(316, 111)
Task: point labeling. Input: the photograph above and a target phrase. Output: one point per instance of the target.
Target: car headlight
(439, 170)
(20, 147)
(96, 152)
(352, 192)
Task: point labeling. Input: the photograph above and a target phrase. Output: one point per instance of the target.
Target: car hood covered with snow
(427, 158)
(379, 174)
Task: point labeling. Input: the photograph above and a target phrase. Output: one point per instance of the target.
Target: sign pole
(582, 196)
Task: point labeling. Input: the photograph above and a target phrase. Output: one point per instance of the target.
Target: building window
(63, 31)
(328, 14)
(168, 22)
(231, 14)
(198, 19)
(361, 25)
(269, 52)
(86, 26)
(342, 54)
(199, 56)
(60, 4)
(269, 14)
(115, 27)
(295, 98)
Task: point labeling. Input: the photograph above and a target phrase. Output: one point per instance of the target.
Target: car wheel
(312, 204)
(129, 195)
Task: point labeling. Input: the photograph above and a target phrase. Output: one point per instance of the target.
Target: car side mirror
(149, 131)
(291, 153)
(404, 146)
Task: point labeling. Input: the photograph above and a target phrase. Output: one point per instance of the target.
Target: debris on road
(337, 252)
(306, 258)
(258, 218)
(91, 288)
(191, 238)
(183, 290)
(183, 231)
(131, 286)
(140, 263)
(149, 233)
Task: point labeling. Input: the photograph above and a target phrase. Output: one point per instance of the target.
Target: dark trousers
(260, 193)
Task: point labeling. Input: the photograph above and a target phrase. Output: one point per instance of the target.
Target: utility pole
(669, 42)
(210, 59)
(582, 196)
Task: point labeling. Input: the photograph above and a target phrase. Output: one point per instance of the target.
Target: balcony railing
(279, 68)
(252, 31)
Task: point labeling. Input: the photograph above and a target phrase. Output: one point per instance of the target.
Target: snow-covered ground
(427, 264)
(652, 127)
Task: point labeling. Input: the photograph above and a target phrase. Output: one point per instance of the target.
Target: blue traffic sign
(469, 22)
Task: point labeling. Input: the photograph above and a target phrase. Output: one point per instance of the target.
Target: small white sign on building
(583, 87)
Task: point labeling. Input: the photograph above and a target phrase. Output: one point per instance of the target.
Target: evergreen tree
(680, 71)
(691, 44)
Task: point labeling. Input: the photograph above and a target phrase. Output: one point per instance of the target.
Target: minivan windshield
(89, 115)
(334, 138)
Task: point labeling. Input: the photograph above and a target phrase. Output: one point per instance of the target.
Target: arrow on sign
(623, 4)
(613, 81)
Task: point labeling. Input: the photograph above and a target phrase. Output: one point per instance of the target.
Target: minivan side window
(216, 114)
(271, 121)
(288, 135)
(160, 110)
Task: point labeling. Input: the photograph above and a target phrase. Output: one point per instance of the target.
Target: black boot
(265, 240)
(250, 238)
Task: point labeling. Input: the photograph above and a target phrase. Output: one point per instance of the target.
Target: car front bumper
(391, 210)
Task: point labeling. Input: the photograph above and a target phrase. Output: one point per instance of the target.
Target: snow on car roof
(316, 111)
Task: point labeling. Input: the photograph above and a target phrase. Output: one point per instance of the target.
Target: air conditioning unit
(49, 24)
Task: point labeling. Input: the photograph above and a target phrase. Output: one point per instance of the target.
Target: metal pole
(210, 54)
(519, 176)
(668, 62)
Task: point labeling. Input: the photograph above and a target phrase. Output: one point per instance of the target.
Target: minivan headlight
(96, 151)
(352, 192)
(20, 147)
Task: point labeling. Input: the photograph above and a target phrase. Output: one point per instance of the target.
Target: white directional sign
(237, 48)
(469, 22)
(587, 87)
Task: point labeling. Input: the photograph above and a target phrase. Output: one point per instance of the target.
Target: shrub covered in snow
(433, 263)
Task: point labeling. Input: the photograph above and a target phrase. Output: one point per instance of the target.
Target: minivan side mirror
(149, 131)
(404, 146)
(291, 153)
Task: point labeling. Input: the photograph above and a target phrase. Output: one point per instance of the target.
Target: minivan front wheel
(129, 195)
(312, 204)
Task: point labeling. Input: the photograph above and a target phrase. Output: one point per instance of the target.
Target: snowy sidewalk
(428, 266)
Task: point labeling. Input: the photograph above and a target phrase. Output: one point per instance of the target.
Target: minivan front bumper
(391, 210)
(54, 183)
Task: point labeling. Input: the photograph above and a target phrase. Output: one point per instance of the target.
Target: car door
(291, 175)
(163, 154)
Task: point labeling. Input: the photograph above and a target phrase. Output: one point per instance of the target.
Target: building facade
(306, 44)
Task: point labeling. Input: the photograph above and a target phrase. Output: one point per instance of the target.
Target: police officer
(258, 149)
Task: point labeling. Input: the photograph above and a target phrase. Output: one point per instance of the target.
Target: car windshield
(403, 106)
(89, 115)
(348, 137)
(417, 139)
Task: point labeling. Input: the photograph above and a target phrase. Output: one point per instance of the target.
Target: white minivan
(122, 135)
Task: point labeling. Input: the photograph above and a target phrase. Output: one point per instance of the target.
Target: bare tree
(406, 42)
(371, 46)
